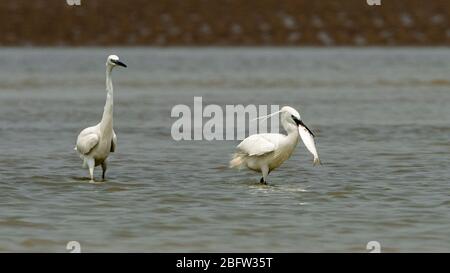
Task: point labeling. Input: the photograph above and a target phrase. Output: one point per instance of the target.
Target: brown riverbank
(224, 22)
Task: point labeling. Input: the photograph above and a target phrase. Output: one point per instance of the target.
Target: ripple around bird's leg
(277, 188)
(259, 185)
(85, 179)
(97, 182)
(254, 184)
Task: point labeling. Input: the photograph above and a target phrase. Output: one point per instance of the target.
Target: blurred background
(224, 22)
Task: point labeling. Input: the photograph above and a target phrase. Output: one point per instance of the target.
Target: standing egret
(95, 143)
(266, 152)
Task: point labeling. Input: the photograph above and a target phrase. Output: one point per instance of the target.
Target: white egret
(95, 143)
(266, 152)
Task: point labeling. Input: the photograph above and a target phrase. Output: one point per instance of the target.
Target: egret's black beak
(119, 63)
(300, 123)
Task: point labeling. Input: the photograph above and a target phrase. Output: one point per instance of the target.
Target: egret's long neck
(107, 118)
(292, 131)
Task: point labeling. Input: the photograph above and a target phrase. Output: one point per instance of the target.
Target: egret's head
(113, 60)
(290, 115)
(293, 117)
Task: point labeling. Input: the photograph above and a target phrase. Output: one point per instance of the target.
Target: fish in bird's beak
(308, 139)
(119, 63)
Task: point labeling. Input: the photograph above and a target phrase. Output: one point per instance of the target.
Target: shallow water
(382, 122)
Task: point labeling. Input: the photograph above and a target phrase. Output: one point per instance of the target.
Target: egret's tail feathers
(237, 161)
(317, 162)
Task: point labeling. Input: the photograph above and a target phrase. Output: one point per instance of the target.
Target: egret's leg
(265, 173)
(91, 165)
(104, 166)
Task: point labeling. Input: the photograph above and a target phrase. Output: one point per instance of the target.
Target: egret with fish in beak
(266, 152)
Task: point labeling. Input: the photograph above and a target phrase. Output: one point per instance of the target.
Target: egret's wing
(86, 142)
(256, 145)
(113, 142)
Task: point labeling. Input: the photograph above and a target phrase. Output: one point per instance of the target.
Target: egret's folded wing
(256, 145)
(85, 143)
(113, 142)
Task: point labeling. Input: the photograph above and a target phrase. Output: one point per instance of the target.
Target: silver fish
(308, 140)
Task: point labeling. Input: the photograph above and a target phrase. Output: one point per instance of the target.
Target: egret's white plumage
(266, 152)
(95, 143)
